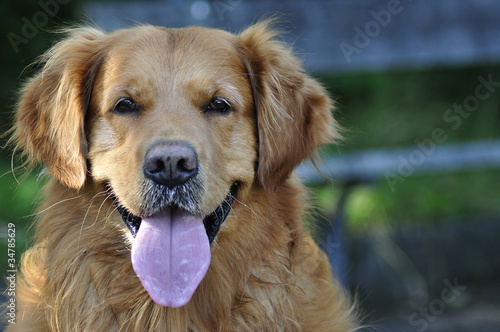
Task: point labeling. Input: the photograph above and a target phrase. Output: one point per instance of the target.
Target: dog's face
(175, 124)
(174, 109)
(171, 129)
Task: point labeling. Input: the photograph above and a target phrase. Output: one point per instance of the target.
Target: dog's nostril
(154, 165)
(187, 164)
(171, 163)
(159, 166)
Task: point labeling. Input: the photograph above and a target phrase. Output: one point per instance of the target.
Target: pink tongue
(171, 255)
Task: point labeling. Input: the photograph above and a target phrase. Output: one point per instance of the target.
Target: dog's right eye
(126, 105)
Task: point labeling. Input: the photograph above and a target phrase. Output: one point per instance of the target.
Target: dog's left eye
(126, 105)
(218, 105)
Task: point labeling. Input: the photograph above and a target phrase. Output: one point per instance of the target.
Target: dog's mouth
(171, 249)
(212, 221)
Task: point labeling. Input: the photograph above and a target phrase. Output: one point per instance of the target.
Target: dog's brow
(228, 76)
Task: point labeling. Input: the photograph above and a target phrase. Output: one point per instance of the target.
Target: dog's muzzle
(171, 251)
(170, 168)
(212, 221)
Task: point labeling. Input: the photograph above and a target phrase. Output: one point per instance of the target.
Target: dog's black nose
(171, 163)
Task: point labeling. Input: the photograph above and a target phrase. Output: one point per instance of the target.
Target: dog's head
(174, 123)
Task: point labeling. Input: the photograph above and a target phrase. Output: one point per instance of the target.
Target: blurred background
(412, 197)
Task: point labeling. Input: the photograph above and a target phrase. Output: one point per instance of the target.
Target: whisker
(13, 170)
(99, 210)
(246, 206)
(53, 205)
(221, 63)
(86, 214)
(111, 208)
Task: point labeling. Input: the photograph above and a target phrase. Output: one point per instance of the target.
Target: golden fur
(266, 273)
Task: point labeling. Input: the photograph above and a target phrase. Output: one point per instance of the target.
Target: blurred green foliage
(420, 200)
(394, 109)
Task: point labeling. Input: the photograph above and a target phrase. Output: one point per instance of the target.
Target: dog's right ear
(49, 123)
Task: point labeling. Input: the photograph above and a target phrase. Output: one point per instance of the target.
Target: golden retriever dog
(171, 203)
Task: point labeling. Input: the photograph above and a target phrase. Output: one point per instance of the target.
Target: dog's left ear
(49, 124)
(293, 110)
